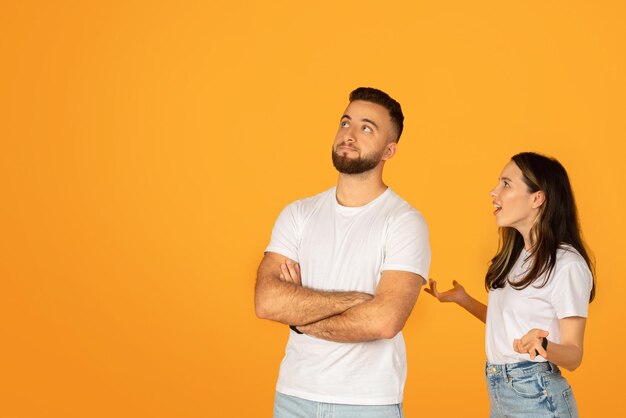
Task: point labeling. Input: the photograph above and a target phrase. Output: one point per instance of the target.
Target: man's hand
(290, 273)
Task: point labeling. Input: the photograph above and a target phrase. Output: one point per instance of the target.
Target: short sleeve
(572, 287)
(407, 247)
(285, 233)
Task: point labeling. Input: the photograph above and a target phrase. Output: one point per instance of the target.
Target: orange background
(147, 148)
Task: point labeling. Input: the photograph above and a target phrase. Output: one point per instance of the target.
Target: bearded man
(343, 270)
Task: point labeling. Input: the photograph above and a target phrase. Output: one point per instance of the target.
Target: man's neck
(355, 190)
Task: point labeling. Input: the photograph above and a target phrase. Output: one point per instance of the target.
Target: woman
(540, 283)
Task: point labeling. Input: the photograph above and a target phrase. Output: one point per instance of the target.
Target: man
(344, 269)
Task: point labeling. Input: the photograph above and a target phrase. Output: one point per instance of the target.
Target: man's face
(364, 135)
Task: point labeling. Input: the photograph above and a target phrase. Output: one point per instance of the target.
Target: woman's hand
(531, 343)
(290, 273)
(459, 296)
(456, 294)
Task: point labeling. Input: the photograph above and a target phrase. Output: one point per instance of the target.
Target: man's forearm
(292, 304)
(365, 322)
(381, 317)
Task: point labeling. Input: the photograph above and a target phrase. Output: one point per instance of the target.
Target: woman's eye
(506, 184)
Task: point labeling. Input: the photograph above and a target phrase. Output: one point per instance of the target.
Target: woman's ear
(539, 197)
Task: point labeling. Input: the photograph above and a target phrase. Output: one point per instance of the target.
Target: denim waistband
(521, 369)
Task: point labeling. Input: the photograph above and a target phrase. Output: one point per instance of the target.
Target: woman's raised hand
(456, 294)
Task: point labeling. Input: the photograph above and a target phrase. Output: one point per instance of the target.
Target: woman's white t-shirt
(511, 313)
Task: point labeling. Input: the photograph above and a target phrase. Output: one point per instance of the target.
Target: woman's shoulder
(568, 257)
(567, 252)
(571, 273)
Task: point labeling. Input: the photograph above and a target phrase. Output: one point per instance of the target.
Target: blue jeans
(286, 406)
(529, 390)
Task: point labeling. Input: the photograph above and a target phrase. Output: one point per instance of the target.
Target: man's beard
(347, 165)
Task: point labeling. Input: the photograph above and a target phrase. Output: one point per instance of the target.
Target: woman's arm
(459, 296)
(567, 354)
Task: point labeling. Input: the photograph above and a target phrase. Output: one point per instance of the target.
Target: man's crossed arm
(335, 316)
(286, 301)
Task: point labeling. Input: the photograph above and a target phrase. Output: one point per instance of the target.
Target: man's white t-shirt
(346, 249)
(512, 313)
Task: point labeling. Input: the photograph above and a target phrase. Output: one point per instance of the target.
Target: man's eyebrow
(370, 121)
(362, 120)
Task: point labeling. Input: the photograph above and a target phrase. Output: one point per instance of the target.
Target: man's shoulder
(401, 207)
(307, 204)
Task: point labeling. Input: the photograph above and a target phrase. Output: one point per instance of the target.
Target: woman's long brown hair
(556, 225)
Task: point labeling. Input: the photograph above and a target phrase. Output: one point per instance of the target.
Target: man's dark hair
(369, 94)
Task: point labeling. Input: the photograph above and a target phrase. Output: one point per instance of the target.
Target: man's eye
(343, 123)
(367, 129)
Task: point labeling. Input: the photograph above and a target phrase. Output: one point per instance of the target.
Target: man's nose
(349, 135)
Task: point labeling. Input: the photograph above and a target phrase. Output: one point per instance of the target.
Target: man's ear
(390, 150)
(539, 198)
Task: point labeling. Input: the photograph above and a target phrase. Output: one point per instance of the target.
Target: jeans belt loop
(553, 367)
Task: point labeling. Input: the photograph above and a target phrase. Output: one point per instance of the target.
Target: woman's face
(515, 206)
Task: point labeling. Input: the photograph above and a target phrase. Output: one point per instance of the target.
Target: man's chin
(355, 168)
(346, 159)
(353, 165)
